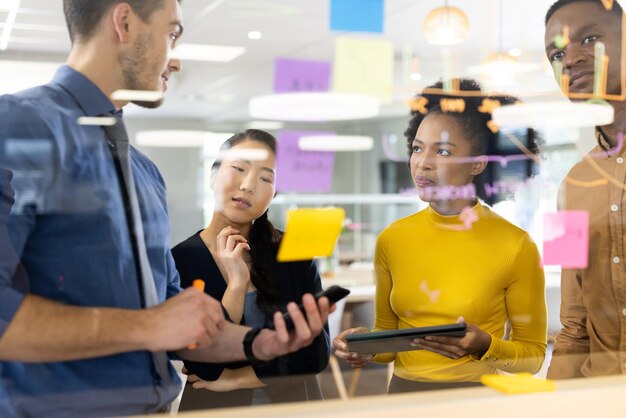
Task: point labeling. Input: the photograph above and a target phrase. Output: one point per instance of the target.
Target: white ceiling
(298, 29)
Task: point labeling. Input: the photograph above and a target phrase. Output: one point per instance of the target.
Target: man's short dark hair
(560, 3)
(83, 16)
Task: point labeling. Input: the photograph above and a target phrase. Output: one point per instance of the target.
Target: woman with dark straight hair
(236, 257)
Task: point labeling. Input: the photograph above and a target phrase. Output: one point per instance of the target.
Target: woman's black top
(290, 377)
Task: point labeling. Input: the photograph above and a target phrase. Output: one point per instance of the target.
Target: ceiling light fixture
(446, 26)
(243, 154)
(199, 17)
(266, 125)
(208, 53)
(254, 35)
(8, 4)
(335, 143)
(314, 107)
(555, 113)
(500, 69)
(8, 25)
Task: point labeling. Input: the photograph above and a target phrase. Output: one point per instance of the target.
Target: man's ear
(122, 16)
(479, 165)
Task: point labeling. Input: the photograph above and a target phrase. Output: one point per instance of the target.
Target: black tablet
(397, 340)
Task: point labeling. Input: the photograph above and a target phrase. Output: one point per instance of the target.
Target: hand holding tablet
(475, 342)
(394, 341)
(340, 343)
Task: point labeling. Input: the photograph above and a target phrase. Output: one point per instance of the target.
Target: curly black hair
(473, 113)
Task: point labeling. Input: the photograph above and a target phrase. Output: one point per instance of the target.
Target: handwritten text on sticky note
(302, 171)
(291, 76)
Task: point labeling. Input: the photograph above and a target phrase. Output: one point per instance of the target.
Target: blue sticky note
(357, 15)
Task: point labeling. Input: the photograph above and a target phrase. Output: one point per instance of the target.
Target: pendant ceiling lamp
(445, 26)
(500, 69)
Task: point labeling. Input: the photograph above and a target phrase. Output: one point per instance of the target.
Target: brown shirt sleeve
(571, 346)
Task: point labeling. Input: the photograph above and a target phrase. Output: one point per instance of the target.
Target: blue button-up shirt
(68, 229)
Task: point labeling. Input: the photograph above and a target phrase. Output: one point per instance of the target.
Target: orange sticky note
(517, 383)
(310, 233)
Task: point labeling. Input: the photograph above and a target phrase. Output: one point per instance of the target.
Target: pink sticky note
(566, 239)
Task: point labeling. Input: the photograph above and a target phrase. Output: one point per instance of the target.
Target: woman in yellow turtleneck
(456, 261)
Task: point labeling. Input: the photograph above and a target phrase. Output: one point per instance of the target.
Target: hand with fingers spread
(273, 343)
(165, 331)
(475, 342)
(341, 349)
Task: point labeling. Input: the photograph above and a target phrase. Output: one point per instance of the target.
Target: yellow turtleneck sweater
(431, 269)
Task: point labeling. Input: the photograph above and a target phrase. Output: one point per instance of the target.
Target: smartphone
(333, 293)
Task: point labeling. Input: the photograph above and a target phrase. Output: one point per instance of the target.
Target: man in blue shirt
(79, 343)
(10, 265)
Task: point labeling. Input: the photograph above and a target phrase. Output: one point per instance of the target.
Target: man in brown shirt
(593, 300)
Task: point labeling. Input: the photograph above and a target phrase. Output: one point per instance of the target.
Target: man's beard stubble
(132, 62)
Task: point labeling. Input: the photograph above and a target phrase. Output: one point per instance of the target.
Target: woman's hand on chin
(230, 253)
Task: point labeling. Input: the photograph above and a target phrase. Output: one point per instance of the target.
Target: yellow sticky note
(517, 383)
(310, 233)
(364, 66)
